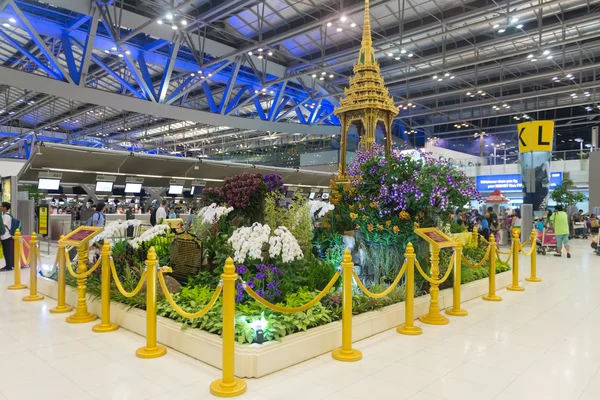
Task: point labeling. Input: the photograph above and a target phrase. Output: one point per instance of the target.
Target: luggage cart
(548, 241)
(580, 229)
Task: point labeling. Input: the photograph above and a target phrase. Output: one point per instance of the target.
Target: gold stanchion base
(155, 352)
(237, 388)
(457, 313)
(533, 279)
(61, 309)
(81, 318)
(103, 328)
(409, 330)
(488, 297)
(33, 297)
(515, 288)
(346, 356)
(17, 287)
(434, 319)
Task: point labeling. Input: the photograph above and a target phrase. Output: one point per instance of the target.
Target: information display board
(435, 237)
(81, 235)
(43, 220)
(510, 182)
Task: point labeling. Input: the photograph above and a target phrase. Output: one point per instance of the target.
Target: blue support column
(166, 78)
(282, 104)
(236, 99)
(29, 55)
(117, 77)
(40, 43)
(229, 86)
(275, 104)
(146, 75)
(71, 64)
(259, 109)
(209, 96)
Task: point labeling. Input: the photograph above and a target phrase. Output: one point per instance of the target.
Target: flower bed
(287, 250)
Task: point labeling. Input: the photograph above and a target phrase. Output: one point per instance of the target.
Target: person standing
(6, 237)
(560, 222)
(98, 219)
(161, 212)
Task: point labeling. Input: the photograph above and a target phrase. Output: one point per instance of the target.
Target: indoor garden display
(287, 248)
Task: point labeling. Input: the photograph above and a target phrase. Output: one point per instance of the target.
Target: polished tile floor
(540, 344)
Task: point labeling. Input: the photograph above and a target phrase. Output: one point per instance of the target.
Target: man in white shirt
(161, 212)
(6, 238)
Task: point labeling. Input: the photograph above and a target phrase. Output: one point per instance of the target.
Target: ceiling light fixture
(514, 20)
(183, 22)
(14, 21)
(339, 29)
(353, 25)
(343, 19)
(530, 56)
(6, 25)
(501, 30)
(410, 54)
(174, 27)
(496, 26)
(546, 52)
(520, 26)
(329, 24)
(159, 22)
(403, 51)
(169, 16)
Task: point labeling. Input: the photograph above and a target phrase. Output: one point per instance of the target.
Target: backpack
(90, 220)
(153, 217)
(14, 225)
(2, 227)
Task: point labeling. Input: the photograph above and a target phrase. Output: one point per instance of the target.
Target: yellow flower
(396, 229)
(416, 225)
(404, 216)
(326, 225)
(370, 227)
(364, 218)
(374, 204)
(353, 216)
(380, 227)
(357, 226)
(351, 207)
(388, 223)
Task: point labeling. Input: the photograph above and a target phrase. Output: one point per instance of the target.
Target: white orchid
(157, 230)
(209, 214)
(115, 231)
(320, 208)
(248, 243)
(285, 244)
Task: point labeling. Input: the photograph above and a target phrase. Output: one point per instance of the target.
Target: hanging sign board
(435, 237)
(43, 220)
(535, 136)
(81, 235)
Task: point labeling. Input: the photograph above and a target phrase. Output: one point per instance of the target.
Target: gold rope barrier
(81, 314)
(26, 261)
(435, 281)
(433, 316)
(479, 264)
(491, 296)
(120, 285)
(54, 267)
(85, 274)
(516, 244)
(533, 254)
(17, 285)
(288, 310)
(501, 260)
(386, 291)
(61, 306)
(105, 325)
(33, 250)
(179, 310)
(522, 250)
(455, 310)
(409, 328)
(152, 349)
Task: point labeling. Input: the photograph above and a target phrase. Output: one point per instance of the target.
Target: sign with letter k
(535, 136)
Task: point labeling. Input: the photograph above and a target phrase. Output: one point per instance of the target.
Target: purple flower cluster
(397, 195)
(274, 183)
(439, 197)
(265, 282)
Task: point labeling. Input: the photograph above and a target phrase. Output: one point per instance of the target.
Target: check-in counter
(60, 224)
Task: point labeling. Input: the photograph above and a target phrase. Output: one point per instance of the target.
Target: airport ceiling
(202, 78)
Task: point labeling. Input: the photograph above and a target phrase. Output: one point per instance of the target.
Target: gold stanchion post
(105, 325)
(61, 306)
(346, 352)
(475, 236)
(456, 311)
(228, 385)
(17, 285)
(516, 244)
(151, 350)
(533, 277)
(409, 328)
(33, 257)
(81, 314)
(491, 296)
(434, 317)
